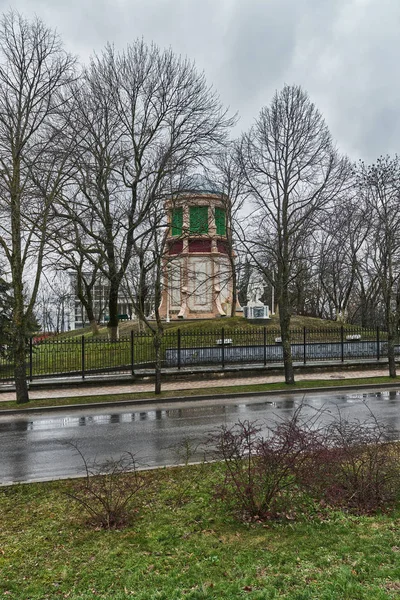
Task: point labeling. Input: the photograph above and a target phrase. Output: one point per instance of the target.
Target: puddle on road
(196, 414)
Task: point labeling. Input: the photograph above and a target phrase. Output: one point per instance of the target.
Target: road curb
(176, 399)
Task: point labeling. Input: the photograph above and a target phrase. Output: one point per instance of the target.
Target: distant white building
(78, 314)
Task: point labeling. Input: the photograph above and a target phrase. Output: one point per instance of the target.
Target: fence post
(30, 358)
(342, 343)
(223, 348)
(83, 356)
(179, 348)
(265, 346)
(304, 345)
(378, 344)
(132, 355)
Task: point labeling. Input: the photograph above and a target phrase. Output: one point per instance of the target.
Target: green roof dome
(201, 184)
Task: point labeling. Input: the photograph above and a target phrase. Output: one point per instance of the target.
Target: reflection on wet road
(40, 447)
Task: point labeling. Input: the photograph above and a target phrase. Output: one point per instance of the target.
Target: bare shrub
(356, 465)
(350, 464)
(259, 477)
(109, 492)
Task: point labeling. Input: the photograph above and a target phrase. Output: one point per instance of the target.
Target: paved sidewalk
(124, 388)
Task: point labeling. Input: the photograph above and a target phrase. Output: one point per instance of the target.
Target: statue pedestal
(255, 311)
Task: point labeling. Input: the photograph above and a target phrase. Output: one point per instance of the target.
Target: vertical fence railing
(179, 344)
(304, 345)
(31, 358)
(265, 346)
(342, 343)
(223, 348)
(132, 354)
(378, 345)
(83, 356)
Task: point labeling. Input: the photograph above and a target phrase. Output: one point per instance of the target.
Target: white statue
(255, 289)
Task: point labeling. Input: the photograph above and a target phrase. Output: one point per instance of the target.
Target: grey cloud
(345, 53)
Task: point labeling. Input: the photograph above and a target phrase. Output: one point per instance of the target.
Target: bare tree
(341, 243)
(379, 185)
(301, 285)
(226, 172)
(53, 303)
(243, 275)
(367, 309)
(71, 246)
(33, 69)
(140, 118)
(140, 278)
(292, 172)
(144, 280)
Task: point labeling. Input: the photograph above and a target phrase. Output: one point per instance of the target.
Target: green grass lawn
(183, 544)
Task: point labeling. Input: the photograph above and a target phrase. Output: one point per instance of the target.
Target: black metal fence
(84, 355)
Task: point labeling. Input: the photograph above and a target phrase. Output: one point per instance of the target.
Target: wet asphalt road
(41, 446)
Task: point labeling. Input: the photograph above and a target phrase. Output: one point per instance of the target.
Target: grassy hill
(215, 325)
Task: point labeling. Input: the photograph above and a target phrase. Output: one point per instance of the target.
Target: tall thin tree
(33, 69)
(292, 172)
(379, 185)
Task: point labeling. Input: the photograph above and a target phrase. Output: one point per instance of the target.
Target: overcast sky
(345, 53)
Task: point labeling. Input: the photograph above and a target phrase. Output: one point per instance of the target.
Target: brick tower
(197, 269)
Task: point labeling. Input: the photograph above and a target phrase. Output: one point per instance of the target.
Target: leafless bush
(259, 472)
(356, 466)
(350, 464)
(109, 492)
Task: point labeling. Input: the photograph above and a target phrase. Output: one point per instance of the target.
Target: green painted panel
(177, 221)
(198, 219)
(220, 221)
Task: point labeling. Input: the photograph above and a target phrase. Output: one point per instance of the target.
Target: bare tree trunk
(364, 309)
(94, 326)
(21, 385)
(284, 320)
(87, 303)
(157, 341)
(391, 354)
(391, 327)
(113, 312)
(234, 284)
